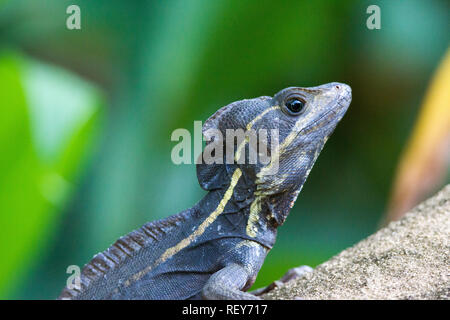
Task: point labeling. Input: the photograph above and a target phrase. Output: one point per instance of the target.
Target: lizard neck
(235, 211)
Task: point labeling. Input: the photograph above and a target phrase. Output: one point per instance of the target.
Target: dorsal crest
(123, 249)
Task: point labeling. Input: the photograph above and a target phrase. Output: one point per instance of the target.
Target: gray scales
(215, 249)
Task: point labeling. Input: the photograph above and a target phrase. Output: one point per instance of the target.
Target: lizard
(215, 249)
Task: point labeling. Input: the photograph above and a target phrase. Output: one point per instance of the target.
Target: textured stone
(408, 259)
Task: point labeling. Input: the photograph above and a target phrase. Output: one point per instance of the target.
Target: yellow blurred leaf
(423, 164)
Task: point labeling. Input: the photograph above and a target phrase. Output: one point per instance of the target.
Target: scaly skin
(215, 249)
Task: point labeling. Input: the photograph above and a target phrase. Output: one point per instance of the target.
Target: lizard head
(291, 128)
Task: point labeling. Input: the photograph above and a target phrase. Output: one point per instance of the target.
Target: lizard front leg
(227, 283)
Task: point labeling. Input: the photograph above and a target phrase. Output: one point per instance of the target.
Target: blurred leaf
(46, 124)
(424, 163)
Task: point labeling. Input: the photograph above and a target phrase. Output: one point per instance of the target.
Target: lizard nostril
(337, 87)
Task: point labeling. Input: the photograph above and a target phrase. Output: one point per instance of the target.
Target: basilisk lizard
(215, 249)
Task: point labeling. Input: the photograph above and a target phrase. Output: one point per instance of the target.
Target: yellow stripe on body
(255, 209)
(211, 218)
(198, 232)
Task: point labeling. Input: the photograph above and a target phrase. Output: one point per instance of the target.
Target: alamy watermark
(74, 280)
(374, 20)
(73, 22)
(235, 145)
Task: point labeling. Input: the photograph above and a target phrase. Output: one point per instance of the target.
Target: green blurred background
(86, 117)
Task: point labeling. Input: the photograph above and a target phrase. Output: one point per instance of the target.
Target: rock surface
(408, 259)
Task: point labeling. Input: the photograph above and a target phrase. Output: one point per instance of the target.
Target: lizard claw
(291, 274)
(295, 273)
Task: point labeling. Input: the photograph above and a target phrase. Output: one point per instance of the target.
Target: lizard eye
(295, 105)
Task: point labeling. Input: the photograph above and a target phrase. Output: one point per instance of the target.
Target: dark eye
(295, 105)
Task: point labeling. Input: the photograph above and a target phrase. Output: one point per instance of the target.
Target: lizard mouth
(334, 114)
